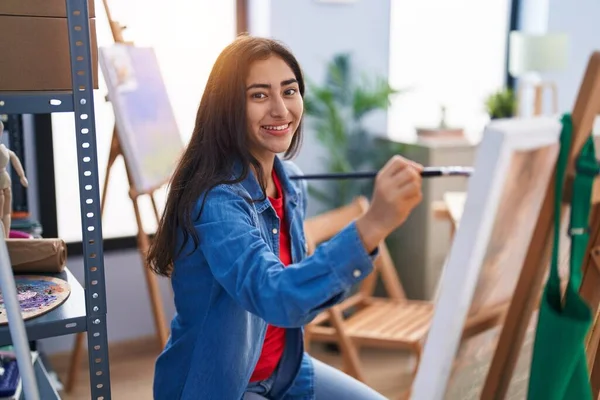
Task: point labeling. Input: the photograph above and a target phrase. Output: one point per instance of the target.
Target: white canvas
(502, 140)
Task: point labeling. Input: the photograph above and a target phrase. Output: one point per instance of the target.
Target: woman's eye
(290, 92)
(258, 96)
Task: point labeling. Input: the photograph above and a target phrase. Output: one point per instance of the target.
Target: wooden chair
(322, 227)
(449, 209)
(392, 322)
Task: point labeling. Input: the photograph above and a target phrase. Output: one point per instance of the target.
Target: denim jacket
(233, 284)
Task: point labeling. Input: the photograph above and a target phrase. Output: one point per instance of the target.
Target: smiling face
(273, 107)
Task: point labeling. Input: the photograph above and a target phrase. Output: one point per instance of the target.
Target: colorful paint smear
(37, 295)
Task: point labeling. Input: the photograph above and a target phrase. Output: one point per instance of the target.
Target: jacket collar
(250, 183)
(291, 190)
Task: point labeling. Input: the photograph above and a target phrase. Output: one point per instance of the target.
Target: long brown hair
(218, 140)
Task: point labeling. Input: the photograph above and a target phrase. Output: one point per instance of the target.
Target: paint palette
(37, 295)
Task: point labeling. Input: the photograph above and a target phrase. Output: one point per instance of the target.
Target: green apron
(559, 367)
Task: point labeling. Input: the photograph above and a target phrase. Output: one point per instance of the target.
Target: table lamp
(532, 53)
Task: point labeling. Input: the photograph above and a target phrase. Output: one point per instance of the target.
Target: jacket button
(356, 273)
(274, 230)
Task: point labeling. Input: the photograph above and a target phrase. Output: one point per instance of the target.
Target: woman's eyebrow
(268, 86)
(289, 82)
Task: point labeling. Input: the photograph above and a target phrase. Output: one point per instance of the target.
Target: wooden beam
(569, 187)
(241, 11)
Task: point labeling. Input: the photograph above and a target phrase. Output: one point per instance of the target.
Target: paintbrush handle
(427, 172)
(338, 175)
(446, 171)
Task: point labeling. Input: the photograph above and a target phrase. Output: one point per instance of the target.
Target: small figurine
(7, 155)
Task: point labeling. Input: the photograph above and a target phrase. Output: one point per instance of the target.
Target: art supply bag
(559, 368)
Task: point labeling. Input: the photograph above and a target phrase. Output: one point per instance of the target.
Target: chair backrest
(324, 226)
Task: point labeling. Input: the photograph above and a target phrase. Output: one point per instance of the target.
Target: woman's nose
(278, 107)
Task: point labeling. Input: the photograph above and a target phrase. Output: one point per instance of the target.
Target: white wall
(446, 53)
(577, 19)
(534, 15)
(580, 20)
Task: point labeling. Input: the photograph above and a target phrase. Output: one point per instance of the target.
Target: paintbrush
(427, 172)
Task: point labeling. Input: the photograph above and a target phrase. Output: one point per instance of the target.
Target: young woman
(231, 239)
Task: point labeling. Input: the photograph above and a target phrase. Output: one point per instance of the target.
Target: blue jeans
(315, 381)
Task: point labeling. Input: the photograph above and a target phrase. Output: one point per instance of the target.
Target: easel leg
(75, 363)
(590, 291)
(594, 358)
(590, 285)
(151, 280)
(595, 377)
(112, 157)
(155, 208)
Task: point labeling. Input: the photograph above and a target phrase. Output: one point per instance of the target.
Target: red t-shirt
(275, 338)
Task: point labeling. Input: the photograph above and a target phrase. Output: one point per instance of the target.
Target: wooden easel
(590, 291)
(528, 290)
(142, 237)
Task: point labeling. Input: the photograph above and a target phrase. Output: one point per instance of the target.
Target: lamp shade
(537, 53)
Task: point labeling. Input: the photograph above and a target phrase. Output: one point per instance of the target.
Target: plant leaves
(368, 99)
(339, 78)
(335, 110)
(501, 104)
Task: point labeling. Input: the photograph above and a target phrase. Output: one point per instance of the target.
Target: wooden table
(450, 208)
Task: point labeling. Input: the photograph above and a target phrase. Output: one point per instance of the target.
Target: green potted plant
(336, 111)
(501, 104)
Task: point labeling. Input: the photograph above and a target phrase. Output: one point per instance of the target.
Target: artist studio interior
(309, 199)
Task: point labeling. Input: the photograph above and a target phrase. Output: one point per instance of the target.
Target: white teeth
(276, 128)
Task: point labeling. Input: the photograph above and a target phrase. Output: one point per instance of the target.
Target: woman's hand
(397, 192)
